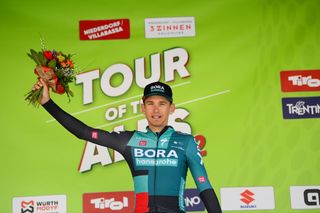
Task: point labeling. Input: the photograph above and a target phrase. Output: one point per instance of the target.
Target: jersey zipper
(155, 173)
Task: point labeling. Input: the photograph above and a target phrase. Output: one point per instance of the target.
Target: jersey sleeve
(200, 177)
(113, 140)
(196, 166)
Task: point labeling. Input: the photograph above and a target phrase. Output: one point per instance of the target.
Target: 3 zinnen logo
(312, 197)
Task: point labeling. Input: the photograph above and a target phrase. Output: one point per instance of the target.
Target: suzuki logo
(247, 197)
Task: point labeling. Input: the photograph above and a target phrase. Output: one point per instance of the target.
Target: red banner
(108, 202)
(104, 29)
(300, 80)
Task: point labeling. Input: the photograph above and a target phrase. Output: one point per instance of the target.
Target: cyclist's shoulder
(186, 137)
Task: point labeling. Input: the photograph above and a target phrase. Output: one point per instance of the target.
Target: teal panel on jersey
(138, 140)
(181, 194)
(196, 166)
(141, 183)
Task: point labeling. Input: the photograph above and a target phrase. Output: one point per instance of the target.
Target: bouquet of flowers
(56, 69)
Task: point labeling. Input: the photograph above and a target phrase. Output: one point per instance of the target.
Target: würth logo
(247, 197)
(301, 80)
(27, 206)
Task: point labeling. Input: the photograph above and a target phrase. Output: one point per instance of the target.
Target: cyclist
(158, 158)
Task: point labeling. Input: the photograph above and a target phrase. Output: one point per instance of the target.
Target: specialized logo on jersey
(152, 157)
(163, 142)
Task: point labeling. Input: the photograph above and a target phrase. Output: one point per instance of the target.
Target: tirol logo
(305, 197)
(104, 29)
(303, 80)
(247, 197)
(169, 27)
(27, 206)
(108, 202)
(40, 204)
(303, 107)
(193, 201)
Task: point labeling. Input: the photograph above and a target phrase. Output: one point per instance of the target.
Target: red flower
(48, 55)
(69, 62)
(60, 89)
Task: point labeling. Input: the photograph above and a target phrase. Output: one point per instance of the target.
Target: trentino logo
(304, 107)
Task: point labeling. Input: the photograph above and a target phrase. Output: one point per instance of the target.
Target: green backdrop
(240, 46)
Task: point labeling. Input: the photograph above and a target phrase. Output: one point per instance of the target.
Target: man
(158, 158)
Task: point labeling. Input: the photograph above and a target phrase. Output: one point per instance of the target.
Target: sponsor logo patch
(305, 197)
(301, 107)
(169, 27)
(40, 204)
(193, 201)
(108, 202)
(104, 29)
(94, 134)
(202, 179)
(247, 198)
(303, 80)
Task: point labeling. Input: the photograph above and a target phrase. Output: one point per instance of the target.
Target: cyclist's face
(157, 110)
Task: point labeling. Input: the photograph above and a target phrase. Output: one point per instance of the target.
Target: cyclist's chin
(157, 123)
